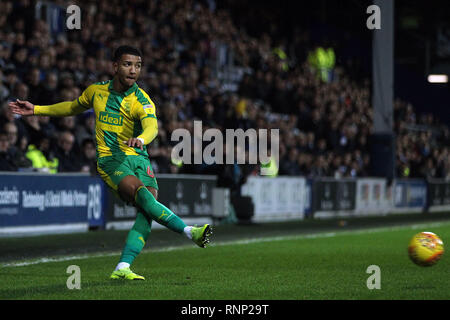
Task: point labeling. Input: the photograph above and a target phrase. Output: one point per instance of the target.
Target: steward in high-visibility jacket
(283, 57)
(40, 162)
(324, 61)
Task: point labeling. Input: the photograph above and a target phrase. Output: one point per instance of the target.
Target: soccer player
(125, 123)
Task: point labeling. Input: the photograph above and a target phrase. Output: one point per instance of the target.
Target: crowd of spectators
(324, 126)
(422, 144)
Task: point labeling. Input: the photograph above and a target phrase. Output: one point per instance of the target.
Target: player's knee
(128, 188)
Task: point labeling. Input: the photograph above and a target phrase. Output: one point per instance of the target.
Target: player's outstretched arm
(62, 109)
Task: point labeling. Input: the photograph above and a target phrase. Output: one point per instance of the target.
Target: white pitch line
(233, 242)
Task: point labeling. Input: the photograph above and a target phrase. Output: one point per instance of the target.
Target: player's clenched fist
(24, 108)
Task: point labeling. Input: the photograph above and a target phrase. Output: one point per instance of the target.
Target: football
(425, 249)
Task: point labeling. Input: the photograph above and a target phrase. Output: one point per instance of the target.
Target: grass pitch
(323, 265)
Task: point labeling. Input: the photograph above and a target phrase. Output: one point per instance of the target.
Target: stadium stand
(201, 65)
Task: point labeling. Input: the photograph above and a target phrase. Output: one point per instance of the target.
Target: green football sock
(157, 211)
(136, 238)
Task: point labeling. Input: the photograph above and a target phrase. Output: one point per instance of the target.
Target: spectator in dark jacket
(88, 157)
(7, 162)
(68, 159)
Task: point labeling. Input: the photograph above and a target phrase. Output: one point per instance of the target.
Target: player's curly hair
(120, 51)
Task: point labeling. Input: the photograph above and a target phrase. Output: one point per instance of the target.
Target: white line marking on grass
(233, 242)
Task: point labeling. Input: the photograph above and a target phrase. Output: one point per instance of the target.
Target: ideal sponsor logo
(114, 119)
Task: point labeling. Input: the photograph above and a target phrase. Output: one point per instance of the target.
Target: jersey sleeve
(85, 100)
(61, 109)
(150, 130)
(144, 107)
(144, 111)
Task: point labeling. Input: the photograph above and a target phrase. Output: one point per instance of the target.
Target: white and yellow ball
(425, 249)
